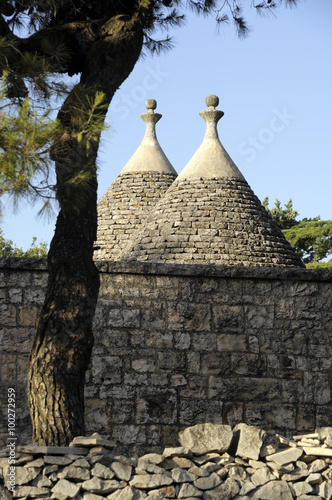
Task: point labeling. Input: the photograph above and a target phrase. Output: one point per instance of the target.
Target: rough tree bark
(63, 342)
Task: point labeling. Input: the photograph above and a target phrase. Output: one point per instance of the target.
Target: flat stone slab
(94, 440)
(56, 460)
(149, 482)
(31, 492)
(286, 456)
(179, 451)
(203, 438)
(51, 450)
(318, 451)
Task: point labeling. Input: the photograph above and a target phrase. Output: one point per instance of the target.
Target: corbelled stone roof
(138, 187)
(210, 215)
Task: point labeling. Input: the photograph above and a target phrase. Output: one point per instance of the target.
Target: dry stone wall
(178, 345)
(214, 462)
(216, 221)
(124, 207)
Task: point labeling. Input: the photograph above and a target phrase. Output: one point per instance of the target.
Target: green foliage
(8, 249)
(26, 138)
(310, 238)
(284, 217)
(30, 140)
(320, 265)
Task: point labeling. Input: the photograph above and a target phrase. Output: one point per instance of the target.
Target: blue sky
(275, 88)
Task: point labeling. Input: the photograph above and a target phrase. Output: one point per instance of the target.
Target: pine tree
(310, 238)
(100, 42)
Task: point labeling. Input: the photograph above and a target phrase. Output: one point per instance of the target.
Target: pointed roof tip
(211, 160)
(149, 156)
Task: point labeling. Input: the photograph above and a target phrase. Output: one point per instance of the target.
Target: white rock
(188, 490)
(203, 438)
(225, 491)
(262, 476)
(325, 490)
(318, 451)
(152, 458)
(147, 468)
(273, 490)
(246, 488)
(314, 478)
(238, 473)
(94, 440)
(182, 476)
(23, 475)
(165, 492)
(64, 487)
(179, 451)
(250, 441)
(31, 491)
(53, 460)
(81, 462)
(92, 496)
(128, 493)
(97, 485)
(75, 473)
(102, 471)
(122, 471)
(42, 481)
(207, 483)
(286, 456)
(302, 488)
(317, 465)
(149, 482)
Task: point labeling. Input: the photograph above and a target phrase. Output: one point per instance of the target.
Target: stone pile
(213, 462)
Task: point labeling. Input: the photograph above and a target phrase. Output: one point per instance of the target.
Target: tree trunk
(63, 343)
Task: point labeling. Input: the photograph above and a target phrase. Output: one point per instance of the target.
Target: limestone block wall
(177, 345)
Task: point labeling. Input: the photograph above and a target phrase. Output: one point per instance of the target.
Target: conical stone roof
(210, 215)
(138, 187)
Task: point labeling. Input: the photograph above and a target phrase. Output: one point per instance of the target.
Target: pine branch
(157, 46)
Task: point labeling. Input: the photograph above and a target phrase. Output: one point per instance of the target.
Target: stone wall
(124, 207)
(177, 345)
(215, 221)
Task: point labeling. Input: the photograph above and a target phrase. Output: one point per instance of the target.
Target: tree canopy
(310, 238)
(9, 249)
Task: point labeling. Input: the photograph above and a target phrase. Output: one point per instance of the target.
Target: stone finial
(151, 105)
(211, 116)
(211, 160)
(149, 156)
(212, 101)
(150, 118)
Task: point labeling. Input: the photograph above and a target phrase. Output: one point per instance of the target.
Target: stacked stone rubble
(212, 462)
